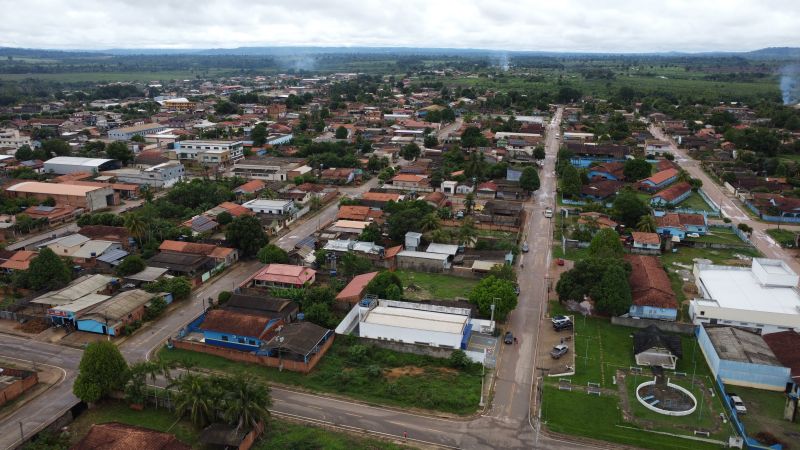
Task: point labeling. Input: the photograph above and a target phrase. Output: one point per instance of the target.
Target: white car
(548, 212)
(738, 404)
(693, 235)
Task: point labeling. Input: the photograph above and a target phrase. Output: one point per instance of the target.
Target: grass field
(695, 202)
(765, 413)
(380, 376)
(284, 435)
(687, 255)
(782, 236)
(434, 286)
(719, 235)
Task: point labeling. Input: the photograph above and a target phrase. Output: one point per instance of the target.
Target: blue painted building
(659, 180)
(679, 224)
(672, 195)
(239, 331)
(651, 291)
(742, 358)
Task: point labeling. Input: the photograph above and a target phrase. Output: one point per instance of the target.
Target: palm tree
(647, 224)
(136, 226)
(469, 202)
(467, 232)
(246, 402)
(194, 397)
(441, 235)
(429, 222)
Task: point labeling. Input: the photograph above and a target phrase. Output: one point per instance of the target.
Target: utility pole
(21, 433)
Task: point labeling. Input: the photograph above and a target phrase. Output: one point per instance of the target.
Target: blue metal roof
(112, 256)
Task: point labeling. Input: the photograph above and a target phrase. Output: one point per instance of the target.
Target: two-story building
(211, 153)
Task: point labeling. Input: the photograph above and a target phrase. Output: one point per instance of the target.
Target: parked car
(559, 351)
(561, 323)
(525, 247)
(693, 235)
(738, 404)
(508, 338)
(548, 212)
(460, 214)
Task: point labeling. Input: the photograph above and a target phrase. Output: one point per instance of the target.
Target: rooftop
(735, 344)
(356, 286)
(237, 323)
(419, 319)
(78, 161)
(36, 187)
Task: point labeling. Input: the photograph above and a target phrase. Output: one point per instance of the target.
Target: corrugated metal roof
(113, 256)
(120, 305)
(92, 249)
(82, 303)
(148, 274)
(88, 284)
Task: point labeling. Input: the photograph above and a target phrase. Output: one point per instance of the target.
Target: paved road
(730, 206)
(447, 130)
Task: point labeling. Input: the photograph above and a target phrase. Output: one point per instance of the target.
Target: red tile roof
(251, 187)
(237, 323)
(650, 285)
(786, 347)
(660, 177)
(676, 190)
(355, 288)
(674, 220)
(646, 238)
(285, 273)
(235, 210)
(613, 168)
(408, 178)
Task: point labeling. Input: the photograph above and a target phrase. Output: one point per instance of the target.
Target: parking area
(548, 339)
(483, 342)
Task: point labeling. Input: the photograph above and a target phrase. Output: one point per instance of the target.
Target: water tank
(301, 316)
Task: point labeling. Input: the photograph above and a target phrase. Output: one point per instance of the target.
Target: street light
(280, 353)
(494, 302)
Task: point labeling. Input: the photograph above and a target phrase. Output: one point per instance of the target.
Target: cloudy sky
(549, 25)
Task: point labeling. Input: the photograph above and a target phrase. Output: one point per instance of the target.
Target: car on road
(559, 351)
(738, 404)
(508, 338)
(516, 288)
(525, 247)
(548, 212)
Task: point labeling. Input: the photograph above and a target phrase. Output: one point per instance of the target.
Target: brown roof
(436, 197)
(356, 286)
(191, 248)
(660, 177)
(676, 220)
(646, 238)
(237, 323)
(614, 168)
(602, 220)
(650, 285)
(354, 212)
(786, 347)
(409, 178)
(676, 190)
(381, 196)
(105, 233)
(391, 252)
(251, 187)
(602, 188)
(117, 436)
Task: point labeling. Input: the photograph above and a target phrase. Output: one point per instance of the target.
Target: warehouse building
(62, 165)
(160, 176)
(86, 197)
(143, 129)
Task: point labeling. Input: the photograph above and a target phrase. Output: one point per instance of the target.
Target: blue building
(239, 331)
(742, 358)
(675, 224)
(651, 291)
(659, 180)
(608, 171)
(672, 195)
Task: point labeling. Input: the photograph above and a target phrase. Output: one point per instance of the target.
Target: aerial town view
(399, 225)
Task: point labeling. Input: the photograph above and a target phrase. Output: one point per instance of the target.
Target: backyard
(366, 373)
(434, 286)
(279, 434)
(786, 238)
(696, 202)
(765, 414)
(720, 235)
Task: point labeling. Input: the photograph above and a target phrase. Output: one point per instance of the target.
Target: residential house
(195, 267)
(651, 289)
(19, 260)
(659, 180)
(118, 235)
(380, 199)
(355, 289)
(423, 261)
(360, 213)
(487, 189)
(223, 256)
(281, 275)
(672, 195)
(679, 224)
(252, 187)
(270, 168)
(54, 215)
(239, 331)
(302, 342)
(654, 348)
(436, 199)
(66, 245)
(200, 224)
(645, 243)
(607, 171)
(113, 315)
(411, 182)
(255, 302)
(338, 176)
(600, 190)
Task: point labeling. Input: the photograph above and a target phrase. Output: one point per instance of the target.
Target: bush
(224, 296)
(459, 359)
(155, 309)
(374, 371)
(726, 220)
(357, 353)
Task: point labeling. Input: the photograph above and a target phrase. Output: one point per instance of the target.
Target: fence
(737, 424)
(769, 218)
(672, 327)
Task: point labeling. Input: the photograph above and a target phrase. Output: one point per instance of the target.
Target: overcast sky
(550, 25)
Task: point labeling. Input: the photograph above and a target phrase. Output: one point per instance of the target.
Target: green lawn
(765, 413)
(686, 255)
(782, 236)
(380, 376)
(719, 235)
(695, 202)
(283, 435)
(434, 286)
(573, 254)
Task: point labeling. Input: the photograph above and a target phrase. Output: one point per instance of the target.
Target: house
(250, 188)
(487, 189)
(126, 133)
(200, 224)
(195, 267)
(117, 436)
(654, 348)
(407, 181)
(281, 275)
(148, 275)
(449, 187)
(113, 315)
(645, 243)
(786, 347)
(679, 224)
(338, 176)
(672, 195)
(119, 235)
(380, 199)
(359, 213)
(66, 245)
(299, 342)
(354, 291)
(270, 168)
(423, 261)
(211, 152)
(159, 176)
(239, 331)
(600, 190)
(257, 304)
(235, 210)
(88, 253)
(20, 260)
(597, 219)
(763, 296)
(741, 357)
(653, 147)
(659, 180)
(89, 198)
(651, 291)
(274, 207)
(221, 255)
(436, 199)
(54, 215)
(614, 171)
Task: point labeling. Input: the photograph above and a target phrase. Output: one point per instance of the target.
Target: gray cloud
(562, 25)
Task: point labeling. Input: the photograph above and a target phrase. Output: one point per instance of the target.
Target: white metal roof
(92, 249)
(445, 249)
(89, 284)
(416, 319)
(82, 303)
(739, 288)
(78, 161)
(423, 255)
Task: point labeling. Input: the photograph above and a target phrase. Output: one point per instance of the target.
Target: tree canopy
(120, 151)
(131, 265)
(637, 169)
(383, 282)
(570, 181)
(494, 290)
(102, 370)
(529, 180)
(271, 254)
(606, 244)
(246, 234)
(47, 271)
(628, 208)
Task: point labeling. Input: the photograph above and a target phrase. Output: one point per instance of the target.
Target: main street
(506, 423)
(729, 206)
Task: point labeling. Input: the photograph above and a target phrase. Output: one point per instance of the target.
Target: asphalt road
(730, 206)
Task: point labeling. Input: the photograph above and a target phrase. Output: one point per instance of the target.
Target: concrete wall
(650, 312)
(27, 380)
(408, 335)
(672, 327)
(420, 264)
(417, 349)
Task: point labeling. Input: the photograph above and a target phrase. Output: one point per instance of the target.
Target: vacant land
(694, 201)
(765, 414)
(434, 286)
(687, 255)
(786, 238)
(369, 374)
(290, 436)
(720, 235)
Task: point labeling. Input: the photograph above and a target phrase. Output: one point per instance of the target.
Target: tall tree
(539, 152)
(410, 151)
(246, 234)
(194, 397)
(637, 169)
(48, 271)
(614, 292)
(606, 244)
(56, 147)
(341, 133)
(120, 151)
(246, 402)
(24, 153)
(136, 226)
(102, 370)
(259, 135)
(491, 290)
(271, 253)
(429, 222)
(379, 285)
(628, 208)
(647, 224)
(529, 180)
(469, 202)
(570, 182)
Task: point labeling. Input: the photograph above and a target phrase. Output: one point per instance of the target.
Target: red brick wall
(18, 387)
(235, 355)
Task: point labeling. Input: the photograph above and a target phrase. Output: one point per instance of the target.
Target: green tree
(385, 174)
(429, 222)
(503, 272)
(370, 233)
(48, 271)
(246, 402)
(529, 180)
(467, 232)
(194, 397)
(102, 370)
(246, 234)
(628, 208)
(469, 202)
(24, 153)
(224, 218)
(637, 169)
(491, 290)
(259, 135)
(431, 141)
(179, 287)
(130, 265)
(570, 182)
(341, 133)
(136, 226)
(379, 285)
(606, 244)
(119, 150)
(56, 147)
(393, 292)
(320, 314)
(352, 265)
(271, 253)
(539, 152)
(647, 224)
(614, 292)
(410, 151)
(472, 137)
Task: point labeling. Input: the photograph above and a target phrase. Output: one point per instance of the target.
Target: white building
(12, 139)
(62, 165)
(270, 169)
(143, 129)
(263, 206)
(210, 152)
(161, 176)
(763, 297)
